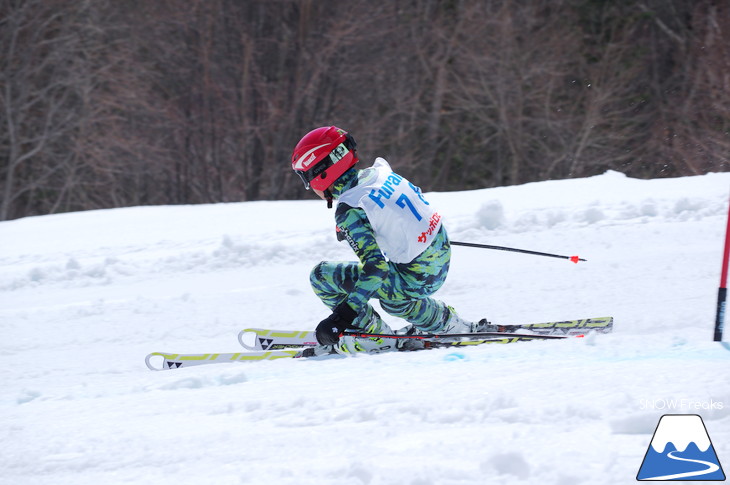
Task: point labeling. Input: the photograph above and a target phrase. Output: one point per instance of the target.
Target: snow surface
(85, 296)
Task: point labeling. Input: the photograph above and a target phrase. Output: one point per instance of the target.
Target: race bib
(404, 222)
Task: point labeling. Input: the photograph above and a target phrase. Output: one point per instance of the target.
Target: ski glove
(328, 331)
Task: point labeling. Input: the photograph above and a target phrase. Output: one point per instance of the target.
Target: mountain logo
(681, 450)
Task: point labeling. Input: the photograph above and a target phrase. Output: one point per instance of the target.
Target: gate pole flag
(722, 293)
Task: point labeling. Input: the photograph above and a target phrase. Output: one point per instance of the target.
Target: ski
(566, 327)
(171, 361)
(267, 339)
(260, 339)
(270, 344)
(175, 361)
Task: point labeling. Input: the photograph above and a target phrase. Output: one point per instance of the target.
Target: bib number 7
(404, 201)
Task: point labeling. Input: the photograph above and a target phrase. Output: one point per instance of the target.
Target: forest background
(111, 103)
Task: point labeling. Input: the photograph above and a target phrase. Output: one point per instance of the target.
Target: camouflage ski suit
(403, 289)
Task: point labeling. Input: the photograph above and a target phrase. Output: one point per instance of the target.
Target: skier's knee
(318, 275)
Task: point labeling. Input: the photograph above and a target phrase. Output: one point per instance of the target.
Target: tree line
(110, 103)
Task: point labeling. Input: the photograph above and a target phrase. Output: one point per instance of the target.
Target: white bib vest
(404, 223)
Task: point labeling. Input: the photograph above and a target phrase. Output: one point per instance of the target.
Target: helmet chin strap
(328, 198)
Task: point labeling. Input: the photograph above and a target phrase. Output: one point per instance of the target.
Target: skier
(398, 236)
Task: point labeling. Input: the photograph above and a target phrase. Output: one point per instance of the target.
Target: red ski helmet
(323, 155)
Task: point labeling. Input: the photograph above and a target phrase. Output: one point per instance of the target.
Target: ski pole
(574, 259)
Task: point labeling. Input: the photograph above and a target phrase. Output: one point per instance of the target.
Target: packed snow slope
(85, 296)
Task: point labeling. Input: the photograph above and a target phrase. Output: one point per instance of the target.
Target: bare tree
(691, 42)
(69, 106)
(37, 104)
(107, 103)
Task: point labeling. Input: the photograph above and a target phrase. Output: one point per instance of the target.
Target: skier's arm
(354, 227)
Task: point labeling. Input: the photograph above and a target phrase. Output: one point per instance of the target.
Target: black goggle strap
(350, 142)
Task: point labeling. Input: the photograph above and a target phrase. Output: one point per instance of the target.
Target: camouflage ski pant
(404, 293)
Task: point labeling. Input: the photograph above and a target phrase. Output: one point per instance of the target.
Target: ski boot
(484, 326)
(372, 345)
(456, 324)
(409, 344)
